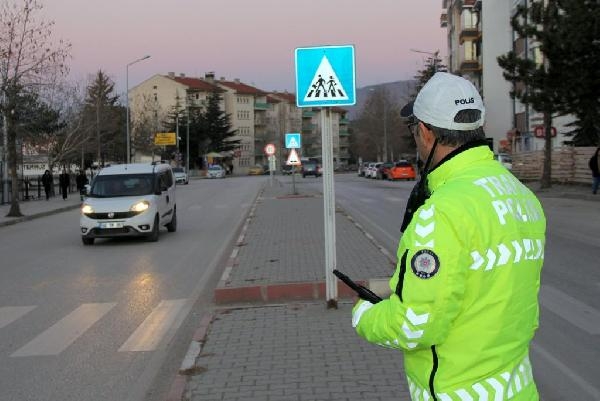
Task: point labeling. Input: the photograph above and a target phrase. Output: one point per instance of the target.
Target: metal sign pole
(329, 207)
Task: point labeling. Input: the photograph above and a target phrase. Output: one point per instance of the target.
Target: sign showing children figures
(325, 77)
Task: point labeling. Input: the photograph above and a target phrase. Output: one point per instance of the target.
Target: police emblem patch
(425, 263)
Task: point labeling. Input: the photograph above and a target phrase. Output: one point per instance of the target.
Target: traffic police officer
(464, 302)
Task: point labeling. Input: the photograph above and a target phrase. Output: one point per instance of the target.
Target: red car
(402, 170)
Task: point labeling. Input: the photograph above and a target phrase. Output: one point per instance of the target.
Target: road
(566, 348)
(111, 321)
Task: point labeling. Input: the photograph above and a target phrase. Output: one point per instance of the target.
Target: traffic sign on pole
(270, 149)
(325, 76)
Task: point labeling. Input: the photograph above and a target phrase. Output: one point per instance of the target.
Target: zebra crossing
(54, 340)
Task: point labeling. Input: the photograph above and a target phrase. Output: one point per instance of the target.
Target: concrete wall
(569, 165)
(497, 40)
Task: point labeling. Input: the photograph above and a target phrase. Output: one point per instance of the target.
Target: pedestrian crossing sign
(293, 141)
(325, 76)
(293, 159)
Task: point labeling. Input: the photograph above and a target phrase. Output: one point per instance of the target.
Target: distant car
(402, 170)
(311, 168)
(286, 170)
(181, 176)
(383, 171)
(216, 172)
(258, 170)
(505, 159)
(372, 171)
(362, 169)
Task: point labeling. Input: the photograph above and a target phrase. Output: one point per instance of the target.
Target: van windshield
(109, 186)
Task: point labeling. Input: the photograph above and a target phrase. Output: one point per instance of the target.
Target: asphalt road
(111, 321)
(566, 348)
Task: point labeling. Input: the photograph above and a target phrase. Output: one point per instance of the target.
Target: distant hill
(399, 91)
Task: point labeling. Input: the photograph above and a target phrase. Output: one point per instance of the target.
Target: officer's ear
(427, 135)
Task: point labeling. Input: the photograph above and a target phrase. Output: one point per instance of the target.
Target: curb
(188, 366)
(21, 219)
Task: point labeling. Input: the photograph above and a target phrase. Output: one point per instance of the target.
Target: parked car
(368, 169)
(286, 170)
(362, 169)
(402, 170)
(310, 168)
(373, 167)
(181, 176)
(383, 171)
(216, 171)
(129, 200)
(258, 170)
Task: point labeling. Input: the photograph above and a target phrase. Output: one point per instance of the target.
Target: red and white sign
(540, 131)
(293, 159)
(270, 149)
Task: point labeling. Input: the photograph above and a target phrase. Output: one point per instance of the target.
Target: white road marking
(575, 312)
(568, 372)
(149, 334)
(64, 332)
(9, 314)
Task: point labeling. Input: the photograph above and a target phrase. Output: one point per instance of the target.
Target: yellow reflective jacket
(464, 303)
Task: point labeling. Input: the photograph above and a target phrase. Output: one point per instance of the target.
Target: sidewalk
(32, 209)
(277, 340)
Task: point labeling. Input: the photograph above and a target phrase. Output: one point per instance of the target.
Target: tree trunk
(15, 210)
(546, 181)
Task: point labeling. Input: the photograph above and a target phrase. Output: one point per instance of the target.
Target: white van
(129, 200)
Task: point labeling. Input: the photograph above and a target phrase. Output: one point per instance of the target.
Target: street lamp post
(187, 143)
(128, 155)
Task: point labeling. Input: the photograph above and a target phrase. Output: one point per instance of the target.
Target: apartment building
(479, 31)
(258, 117)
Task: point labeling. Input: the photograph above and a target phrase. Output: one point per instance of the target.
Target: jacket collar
(457, 160)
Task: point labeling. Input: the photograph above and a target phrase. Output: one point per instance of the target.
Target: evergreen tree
(577, 57)
(107, 118)
(217, 126)
(537, 82)
(433, 64)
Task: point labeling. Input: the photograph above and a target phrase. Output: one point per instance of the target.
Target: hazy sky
(253, 40)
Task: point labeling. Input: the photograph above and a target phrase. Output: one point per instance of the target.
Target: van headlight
(140, 207)
(87, 209)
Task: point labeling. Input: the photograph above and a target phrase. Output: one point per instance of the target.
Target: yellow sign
(165, 138)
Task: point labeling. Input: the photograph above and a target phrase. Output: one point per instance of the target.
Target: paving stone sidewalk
(293, 352)
(283, 243)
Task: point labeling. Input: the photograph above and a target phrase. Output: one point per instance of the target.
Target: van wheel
(172, 226)
(153, 237)
(87, 241)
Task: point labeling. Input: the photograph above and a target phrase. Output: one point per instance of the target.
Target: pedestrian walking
(64, 181)
(47, 181)
(594, 165)
(81, 180)
(465, 305)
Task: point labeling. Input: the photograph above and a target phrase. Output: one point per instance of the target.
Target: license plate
(112, 224)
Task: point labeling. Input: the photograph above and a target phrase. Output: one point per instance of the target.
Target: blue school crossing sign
(325, 76)
(293, 140)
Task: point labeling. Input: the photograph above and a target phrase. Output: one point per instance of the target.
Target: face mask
(419, 194)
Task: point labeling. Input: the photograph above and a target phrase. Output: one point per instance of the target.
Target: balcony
(344, 121)
(307, 114)
(309, 127)
(260, 121)
(261, 106)
(343, 132)
(470, 66)
(443, 20)
(472, 34)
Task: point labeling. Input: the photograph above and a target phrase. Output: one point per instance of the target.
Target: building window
(155, 87)
(469, 19)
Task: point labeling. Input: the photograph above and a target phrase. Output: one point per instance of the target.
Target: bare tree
(29, 58)
(146, 123)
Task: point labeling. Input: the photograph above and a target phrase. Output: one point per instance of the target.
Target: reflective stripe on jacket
(464, 306)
